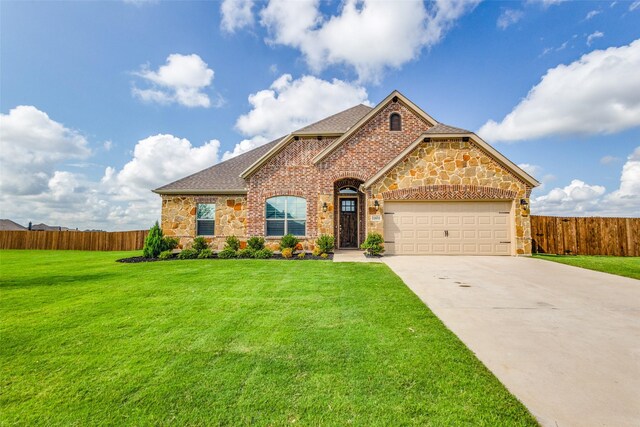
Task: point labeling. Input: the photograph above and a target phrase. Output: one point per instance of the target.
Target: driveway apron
(564, 340)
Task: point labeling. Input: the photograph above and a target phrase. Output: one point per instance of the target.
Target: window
(286, 214)
(348, 190)
(205, 219)
(395, 122)
(348, 205)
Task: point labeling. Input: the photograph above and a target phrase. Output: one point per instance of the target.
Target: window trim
(198, 220)
(391, 117)
(285, 219)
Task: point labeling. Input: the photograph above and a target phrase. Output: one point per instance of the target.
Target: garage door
(447, 228)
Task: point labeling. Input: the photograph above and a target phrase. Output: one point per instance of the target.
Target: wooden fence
(74, 240)
(586, 236)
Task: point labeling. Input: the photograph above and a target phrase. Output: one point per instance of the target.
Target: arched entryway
(349, 213)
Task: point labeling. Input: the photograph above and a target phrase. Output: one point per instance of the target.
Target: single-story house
(427, 187)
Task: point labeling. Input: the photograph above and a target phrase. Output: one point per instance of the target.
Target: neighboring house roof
(225, 177)
(8, 225)
(45, 227)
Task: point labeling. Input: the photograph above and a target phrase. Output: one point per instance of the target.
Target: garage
(448, 228)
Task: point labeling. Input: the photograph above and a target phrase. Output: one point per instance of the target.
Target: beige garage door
(447, 228)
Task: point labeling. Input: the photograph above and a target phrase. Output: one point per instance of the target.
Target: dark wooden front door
(349, 223)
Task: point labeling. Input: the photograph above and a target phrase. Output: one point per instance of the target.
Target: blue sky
(103, 101)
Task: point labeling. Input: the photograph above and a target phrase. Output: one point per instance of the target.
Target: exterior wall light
(376, 204)
(523, 202)
(324, 207)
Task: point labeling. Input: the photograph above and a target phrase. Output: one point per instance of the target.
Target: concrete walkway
(352, 255)
(564, 340)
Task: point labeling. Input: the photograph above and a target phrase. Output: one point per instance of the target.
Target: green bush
(205, 253)
(199, 244)
(316, 251)
(233, 243)
(324, 255)
(302, 255)
(374, 245)
(153, 242)
(169, 243)
(188, 254)
(164, 255)
(246, 253)
(227, 253)
(325, 243)
(256, 243)
(287, 253)
(289, 241)
(263, 254)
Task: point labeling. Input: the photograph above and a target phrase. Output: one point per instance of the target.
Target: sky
(101, 102)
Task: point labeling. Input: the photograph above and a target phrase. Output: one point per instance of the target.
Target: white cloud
(592, 13)
(398, 30)
(607, 160)
(509, 17)
(181, 80)
(546, 3)
(581, 199)
(236, 14)
(31, 146)
(597, 94)
(633, 6)
(530, 169)
(291, 104)
(595, 35)
(107, 145)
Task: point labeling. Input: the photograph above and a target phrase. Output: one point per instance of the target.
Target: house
(45, 227)
(428, 188)
(8, 225)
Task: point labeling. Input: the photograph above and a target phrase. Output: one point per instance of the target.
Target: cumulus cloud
(182, 80)
(529, 168)
(595, 35)
(236, 14)
(582, 199)
(31, 146)
(398, 30)
(509, 17)
(597, 94)
(290, 104)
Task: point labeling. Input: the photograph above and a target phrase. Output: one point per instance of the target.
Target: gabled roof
(225, 177)
(8, 225)
(444, 131)
(395, 95)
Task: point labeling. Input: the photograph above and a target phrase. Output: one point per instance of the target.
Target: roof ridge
(333, 116)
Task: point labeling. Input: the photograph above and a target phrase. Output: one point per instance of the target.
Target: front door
(349, 223)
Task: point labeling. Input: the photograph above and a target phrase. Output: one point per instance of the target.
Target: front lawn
(88, 341)
(622, 266)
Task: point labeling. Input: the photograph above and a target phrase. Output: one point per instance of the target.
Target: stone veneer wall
(452, 169)
(179, 217)
(292, 172)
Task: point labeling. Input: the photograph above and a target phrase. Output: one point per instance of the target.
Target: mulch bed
(137, 259)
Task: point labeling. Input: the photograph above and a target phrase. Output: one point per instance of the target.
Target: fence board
(586, 236)
(74, 240)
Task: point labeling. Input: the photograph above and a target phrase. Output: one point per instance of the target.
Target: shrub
(153, 242)
(316, 251)
(169, 243)
(256, 243)
(205, 253)
(246, 253)
(188, 254)
(263, 254)
(199, 244)
(374, 245)
(164, 255)
(233, 243)
(288, 241)
(324, 255)
(227, 253)
(302, 255)
(325, 243)
(287, 253)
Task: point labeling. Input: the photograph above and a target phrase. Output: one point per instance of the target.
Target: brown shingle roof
(442, 128)
(338, 123)
(8, 225)
(225, 176)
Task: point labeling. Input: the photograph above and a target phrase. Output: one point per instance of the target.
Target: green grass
(622, 266)
(87, 341)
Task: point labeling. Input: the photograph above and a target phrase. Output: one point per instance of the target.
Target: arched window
(286, 215)
(348, 190)
(395, 122)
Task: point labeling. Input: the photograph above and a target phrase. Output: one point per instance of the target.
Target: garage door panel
(473, 228)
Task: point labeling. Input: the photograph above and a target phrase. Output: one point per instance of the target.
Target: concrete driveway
(564, 340)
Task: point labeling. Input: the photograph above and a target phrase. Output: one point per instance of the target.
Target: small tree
(154, 243)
